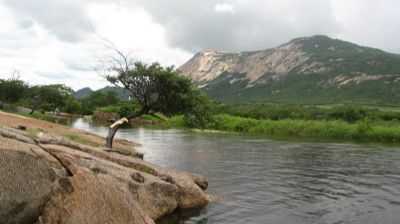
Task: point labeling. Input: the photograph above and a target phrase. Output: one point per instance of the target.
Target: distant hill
(309, 70)
(82, 93)
(85, 92)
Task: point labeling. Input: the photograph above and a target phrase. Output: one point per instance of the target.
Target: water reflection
(263, 181)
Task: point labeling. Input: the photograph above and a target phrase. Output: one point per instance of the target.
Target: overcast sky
(60, 41)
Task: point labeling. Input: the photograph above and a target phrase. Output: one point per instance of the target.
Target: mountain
(121, 92)
(82, 93)
(85, 92)
(310, 70)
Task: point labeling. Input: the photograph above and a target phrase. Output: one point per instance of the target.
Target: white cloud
(67, 19)
(42, 57)
(224, 8)
(369, 22)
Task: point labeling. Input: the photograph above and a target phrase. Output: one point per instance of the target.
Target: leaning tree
(156, 89)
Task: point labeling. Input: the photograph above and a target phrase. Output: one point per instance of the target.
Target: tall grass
(363, 131)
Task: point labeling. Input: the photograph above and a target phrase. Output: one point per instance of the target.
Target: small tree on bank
(155, 89)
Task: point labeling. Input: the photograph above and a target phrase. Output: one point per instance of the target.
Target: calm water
(261, 181)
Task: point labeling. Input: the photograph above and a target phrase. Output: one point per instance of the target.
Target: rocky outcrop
(46, 179)
(209, 64)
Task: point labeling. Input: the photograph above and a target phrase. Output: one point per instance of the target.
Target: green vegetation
(123, 109)
(364, 131)
(156, 89)
(339, 123)
(16, 93)
(98, 99)
(311, 89)
(12, 89)
(49, 98)
(345, 113)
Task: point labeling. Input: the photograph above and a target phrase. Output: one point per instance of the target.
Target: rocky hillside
(314, 69)
(46, 178)
(82, 93)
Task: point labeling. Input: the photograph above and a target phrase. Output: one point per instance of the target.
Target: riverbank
(54, 174)
(361, 131)
(334, 130)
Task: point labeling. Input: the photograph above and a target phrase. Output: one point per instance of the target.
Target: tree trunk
(112, 130)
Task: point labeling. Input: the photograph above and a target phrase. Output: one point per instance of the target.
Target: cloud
(249, 25)
(369, 22)
(224, 8)
(67, 19)
(44, 56)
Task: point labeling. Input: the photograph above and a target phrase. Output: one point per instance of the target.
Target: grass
(361, 131)
(79, 139)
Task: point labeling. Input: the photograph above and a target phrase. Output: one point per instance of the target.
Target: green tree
(72, 106)
(199, 111)
(12, 90)
(155, 89)
(98, 99)
(49, 97)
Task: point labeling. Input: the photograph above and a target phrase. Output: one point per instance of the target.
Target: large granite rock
(47, 179)
(28, 177)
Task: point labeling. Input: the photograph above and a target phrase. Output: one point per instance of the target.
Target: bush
(72, 106)
(200, 112)
(126, 110)
(349, 114)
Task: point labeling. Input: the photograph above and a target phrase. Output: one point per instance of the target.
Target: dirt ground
(35, 125)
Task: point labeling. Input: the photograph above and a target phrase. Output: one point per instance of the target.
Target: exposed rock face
(48, 179)
(208, 65)
(309, 70)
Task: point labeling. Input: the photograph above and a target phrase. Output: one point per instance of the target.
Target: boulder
(93, 199)
(27, 181)
(154, 195)
(47, 179)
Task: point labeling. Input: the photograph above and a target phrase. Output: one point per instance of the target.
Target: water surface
(263, 181)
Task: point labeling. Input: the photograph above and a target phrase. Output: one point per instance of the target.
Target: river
(261, 181)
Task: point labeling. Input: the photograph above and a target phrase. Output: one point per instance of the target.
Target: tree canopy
(155, 88)
(12, 89)
(98, 99)
(49, 97)
(158, 89)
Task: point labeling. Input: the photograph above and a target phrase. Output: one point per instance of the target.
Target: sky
(64, 41)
